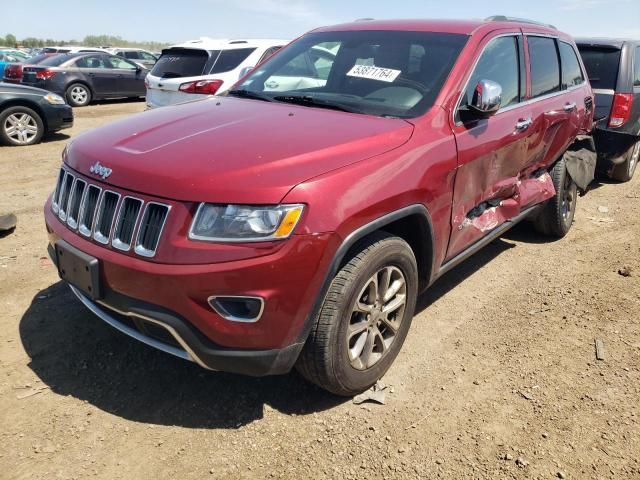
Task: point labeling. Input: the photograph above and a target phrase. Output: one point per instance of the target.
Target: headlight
(54, 99)
(244, 223)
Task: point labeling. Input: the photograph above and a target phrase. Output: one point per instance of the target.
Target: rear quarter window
(602, 66)
(183, 62)
(55, 60)
(231, 59)
(571, 71)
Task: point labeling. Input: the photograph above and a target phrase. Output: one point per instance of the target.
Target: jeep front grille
(106, 217)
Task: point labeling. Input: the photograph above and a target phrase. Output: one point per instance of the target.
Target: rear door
(98, 73)
(556, 113)
(491, 151)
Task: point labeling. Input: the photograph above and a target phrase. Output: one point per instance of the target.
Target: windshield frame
(348, 44)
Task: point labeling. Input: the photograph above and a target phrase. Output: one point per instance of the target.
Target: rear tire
(364, 319)
(624, 171)
(78, 95)
(556, 217)
(20, 126)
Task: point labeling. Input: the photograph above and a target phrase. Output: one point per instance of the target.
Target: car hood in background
(231, 150)
(21, 89)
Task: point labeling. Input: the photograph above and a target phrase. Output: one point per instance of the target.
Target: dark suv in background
(613, 67)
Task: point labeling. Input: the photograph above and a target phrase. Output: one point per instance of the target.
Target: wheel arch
(20, 102)
(412, 223)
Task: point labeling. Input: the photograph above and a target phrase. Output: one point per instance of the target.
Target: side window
(571, 72)
(636, 68)
(129, 54)
(545, 68)
(322, 62)
(297, 67)
(499, 63)
(117, 62)
(91, 61)
(230, 59)
(147, 56)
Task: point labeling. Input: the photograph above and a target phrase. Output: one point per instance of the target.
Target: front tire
(20, 126)
(624, 171)
(364, 319)
(78, 95)
(556, 217)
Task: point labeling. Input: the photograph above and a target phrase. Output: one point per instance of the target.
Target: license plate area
(79, 269)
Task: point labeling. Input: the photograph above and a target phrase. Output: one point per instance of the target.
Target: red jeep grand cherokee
(294, 221)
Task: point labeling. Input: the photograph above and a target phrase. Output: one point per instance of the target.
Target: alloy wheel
(376, 317)
(79, 94)
(21, 128)
(569, 192)
(633, 161)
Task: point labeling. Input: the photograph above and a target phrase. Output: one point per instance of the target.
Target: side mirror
(245, 71)
(487, 98)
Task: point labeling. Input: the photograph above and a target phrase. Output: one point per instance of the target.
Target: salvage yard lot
(497, 379)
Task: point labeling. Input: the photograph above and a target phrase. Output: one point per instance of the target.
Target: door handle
(523, 124)
(569, 107)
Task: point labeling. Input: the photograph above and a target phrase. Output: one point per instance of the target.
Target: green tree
(10, 40)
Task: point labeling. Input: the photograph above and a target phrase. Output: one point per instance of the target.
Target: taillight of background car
(13, 72)
(203, 87)
(45, 74)
(621, 109)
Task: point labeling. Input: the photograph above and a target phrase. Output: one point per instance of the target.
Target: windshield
(602, 66)
(384, 73)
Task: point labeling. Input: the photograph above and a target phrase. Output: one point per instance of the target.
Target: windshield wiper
(250, 94)
(307, 100)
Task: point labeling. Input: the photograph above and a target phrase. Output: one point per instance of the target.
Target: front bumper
(164, 305)
(58, 117)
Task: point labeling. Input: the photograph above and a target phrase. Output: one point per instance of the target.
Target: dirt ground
(498, 377)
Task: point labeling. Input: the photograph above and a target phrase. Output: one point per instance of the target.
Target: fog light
(237, 308)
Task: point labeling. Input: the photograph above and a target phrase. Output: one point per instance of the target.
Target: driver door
(492, 151)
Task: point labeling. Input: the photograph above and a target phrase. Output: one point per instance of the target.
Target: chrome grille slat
(151, 226)
(67, 185)
(75, 200)
(103, 216)
(126, 223)
(88, 210)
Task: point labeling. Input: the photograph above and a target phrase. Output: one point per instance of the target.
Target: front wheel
(78, 95)
(556, 217)
(624, 171)
(20, 126)
(364, 319)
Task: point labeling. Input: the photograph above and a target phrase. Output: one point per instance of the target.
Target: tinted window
(636, 68)
(230, 59)
(545, 69)
(117, 62)
(499, 63)
(268, 53)
(602, 66)
(181, 62)
(571, 71)
(329, 69)
(92, 61)
(133, 55)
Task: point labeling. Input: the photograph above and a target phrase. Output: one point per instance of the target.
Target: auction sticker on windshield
(374, 73)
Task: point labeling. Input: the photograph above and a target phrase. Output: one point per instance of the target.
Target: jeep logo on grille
(100, 170)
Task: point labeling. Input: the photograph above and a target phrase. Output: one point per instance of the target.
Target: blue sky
(176, 21)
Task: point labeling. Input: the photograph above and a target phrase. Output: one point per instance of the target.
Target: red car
(13, 71)
(294, 221)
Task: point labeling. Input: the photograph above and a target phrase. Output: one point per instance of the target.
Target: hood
(21, 89)
(231, 150)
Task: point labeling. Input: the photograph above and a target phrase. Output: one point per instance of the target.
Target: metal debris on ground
(376, 394)
(599, 349)
(8, 222)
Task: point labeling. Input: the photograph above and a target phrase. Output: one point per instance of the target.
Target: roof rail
(503, 18)
(233, 42)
